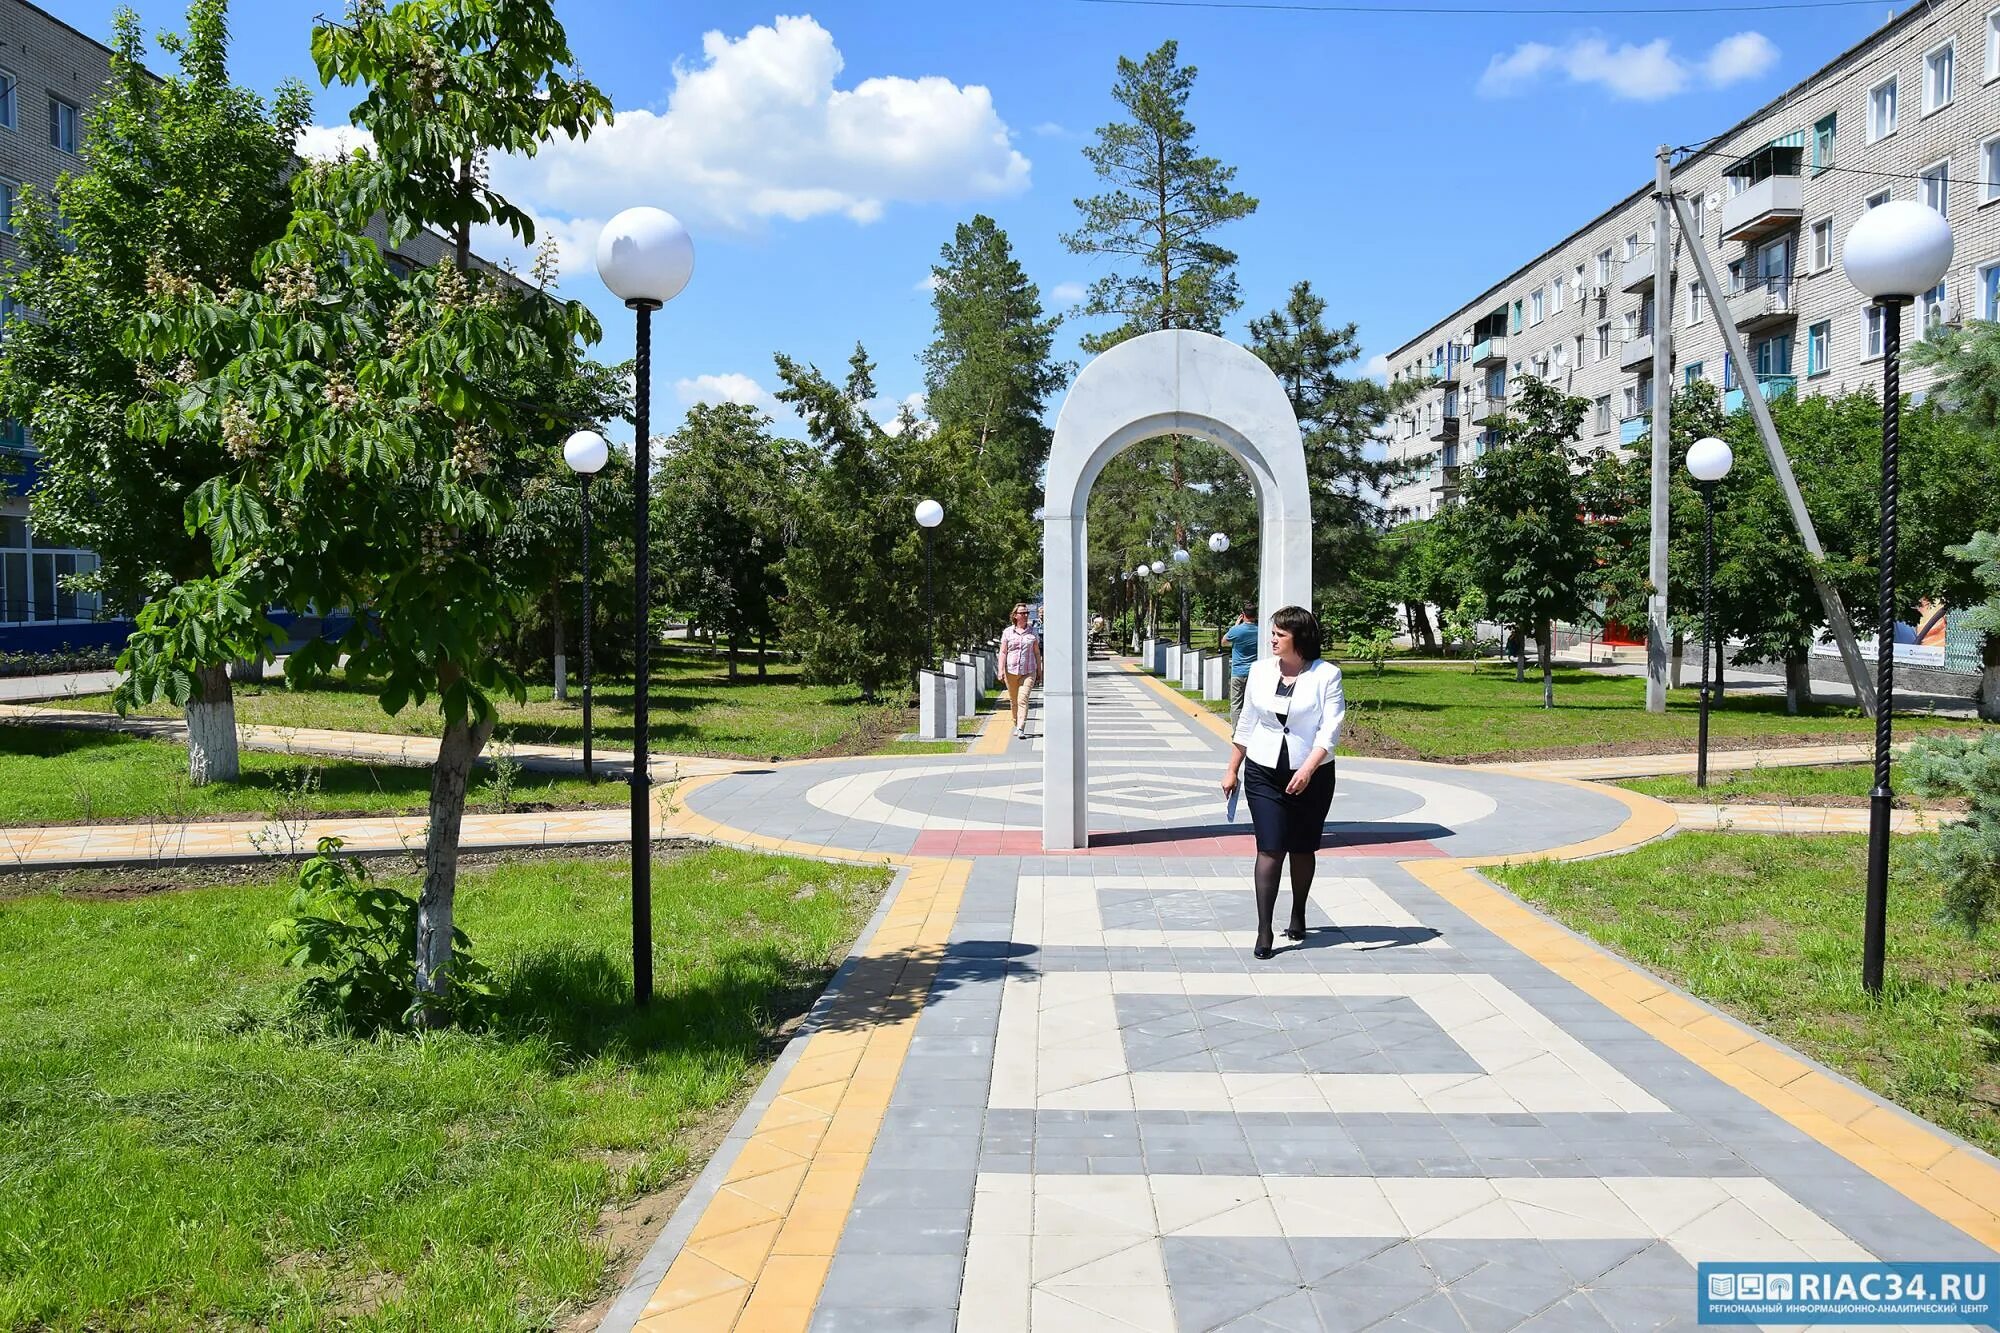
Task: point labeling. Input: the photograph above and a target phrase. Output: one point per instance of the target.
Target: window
(1935, 184)
(1989, 171)
(65, 125)
(9, 192)
(1772, 356)
(1515, 322)
(1822, 244)
(1931, 310)
(32, 576)
(1989, 292)
(1882, 110)
(1818, 340)
(1604, 268)
(1632, 246)
(1825, 135)
(1631, 330)
(1937, 78)
(1579, 285)
(9, 103)
(1604, 340)
(1696, 303)
(1556, 297)
(1560, 355)
(1576, 358)
(1691, 373)
(1871, 322)
(1535, 303)
(13, 434)
(1496, 383)
(1876, 200)
(10, 310)
(1632, 405)
(1993, 45)
(1604, 414)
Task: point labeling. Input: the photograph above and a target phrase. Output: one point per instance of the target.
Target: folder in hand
(1229, 810)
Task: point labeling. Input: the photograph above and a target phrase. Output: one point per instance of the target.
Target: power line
(1903, 175)
(1277, 6)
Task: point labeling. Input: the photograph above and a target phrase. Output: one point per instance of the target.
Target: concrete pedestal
(937, 707)
(1215, 677)
(1170, 662)
(968, 683)
(1191, 669)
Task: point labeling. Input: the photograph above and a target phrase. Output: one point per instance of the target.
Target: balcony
(1763, 302)
(1631, 430)
(1770, 205)
(1636, 274)
(1490, 352)
(1636, 352)
(1446, 431)
(1769, 385)
(1490, 410)
(1447, 486)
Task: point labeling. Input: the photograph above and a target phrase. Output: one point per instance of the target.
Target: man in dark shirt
(1242, 640)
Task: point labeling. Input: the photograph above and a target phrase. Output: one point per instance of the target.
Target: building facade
(1912, 112)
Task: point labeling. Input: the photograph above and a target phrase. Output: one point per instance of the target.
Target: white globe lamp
(1710, 459)
(645, 256)
(929, 513)
(1897, 250)
(1218, 542)
(586, 452)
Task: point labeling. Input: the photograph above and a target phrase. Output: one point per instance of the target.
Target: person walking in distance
(1293, 708)
(1242, 641)
(1021, 664)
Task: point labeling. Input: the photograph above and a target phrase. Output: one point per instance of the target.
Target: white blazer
(1313, 715)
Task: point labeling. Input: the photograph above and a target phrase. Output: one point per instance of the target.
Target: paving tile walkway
(1055, 1092)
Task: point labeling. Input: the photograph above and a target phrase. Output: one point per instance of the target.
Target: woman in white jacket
(1293, 708)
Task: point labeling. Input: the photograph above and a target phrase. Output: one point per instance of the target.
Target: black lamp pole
(589, 774)
(642, 596)
(930, 607)
(1184, 607)
(1707, 624)
(1881, 799)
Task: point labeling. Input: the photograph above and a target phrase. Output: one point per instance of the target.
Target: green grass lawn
(54, 776)
(696, 709)
(1775, 783)
(1456, 712)
(177, 1155)
(1768, 927)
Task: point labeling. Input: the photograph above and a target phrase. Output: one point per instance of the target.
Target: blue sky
(822, 156)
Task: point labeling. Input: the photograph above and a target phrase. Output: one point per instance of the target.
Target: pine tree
(1157, 219)
(987, 372)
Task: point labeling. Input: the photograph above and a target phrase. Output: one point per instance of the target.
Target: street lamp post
(645, 258)
(586, 453)
(1709, 461)
(1180, 579)
(1141, 612)
(929, 514)
(1895, 252)
(1218, 542)
(1158, 567)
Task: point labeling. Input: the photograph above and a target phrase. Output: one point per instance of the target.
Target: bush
(362, 939)
(58, 660)
(1965, 856)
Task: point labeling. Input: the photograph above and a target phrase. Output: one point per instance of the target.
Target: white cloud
(1377, 368)
(1744, 56)
(1066, 293)
(890, 413)
(1640, 72)
(930, 282)
(1048, 129)
(325, 141)
(758, 129)
(734, 387)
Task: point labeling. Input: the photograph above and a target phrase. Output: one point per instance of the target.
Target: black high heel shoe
(1295, 933)
(1260, 951)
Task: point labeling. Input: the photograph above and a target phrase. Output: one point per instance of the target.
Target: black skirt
(1287, 823)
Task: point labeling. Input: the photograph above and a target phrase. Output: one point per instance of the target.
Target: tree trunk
(247, 670)
(732, 654)
(1674, 660)
(1420, 619)
(561, 659)
(1798, 683)
(1520, 647)
(1548, 668)
(763, 653)
(211, 728)
(1989, 678)
(459, 747)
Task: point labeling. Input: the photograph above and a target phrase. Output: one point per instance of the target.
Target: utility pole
(1659, 635)
(1781, 466)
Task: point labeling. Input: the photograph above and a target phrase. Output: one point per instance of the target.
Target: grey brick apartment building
(1912, 112)
(50, 73)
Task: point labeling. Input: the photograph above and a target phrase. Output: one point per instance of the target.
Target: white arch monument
(1173, 382)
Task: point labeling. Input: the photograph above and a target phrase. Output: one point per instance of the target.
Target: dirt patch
(879, 731)
(293, 816)
(117, 883)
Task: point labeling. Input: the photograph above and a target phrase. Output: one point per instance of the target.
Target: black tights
(1266, 879)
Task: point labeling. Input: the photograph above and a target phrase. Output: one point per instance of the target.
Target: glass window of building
(10, 111)
(65, 125)
(1818, 343)
(1822, 244)
(1934, 182)
(1938, 64)
(1825, 132)
(1882, 110)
